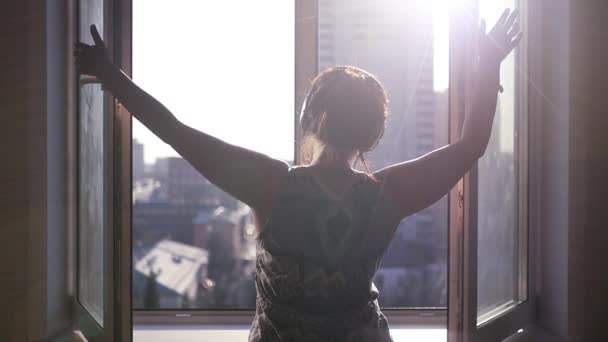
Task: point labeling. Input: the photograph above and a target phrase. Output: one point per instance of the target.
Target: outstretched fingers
(96, 37)
(511, 20)
(516, 40)
(504, 16)
(514, 31)
(500, 23)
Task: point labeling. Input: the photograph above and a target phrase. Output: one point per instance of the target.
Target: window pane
(226, 68)
(404, 44)
(497, 221)
(91, 208)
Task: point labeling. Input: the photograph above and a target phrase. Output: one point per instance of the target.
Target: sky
(227, 69)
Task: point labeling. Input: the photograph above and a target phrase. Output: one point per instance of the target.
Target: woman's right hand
(93, 60)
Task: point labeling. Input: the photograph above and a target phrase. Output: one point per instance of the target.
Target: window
(489, 246)
(91, 177)
(193, 245)
(498, 228)
(99, 164)
(229, 73)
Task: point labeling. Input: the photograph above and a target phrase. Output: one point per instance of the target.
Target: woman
(324, 226)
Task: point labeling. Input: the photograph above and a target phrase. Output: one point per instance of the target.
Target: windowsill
(533, 333)
(232, 333)
(412, 317)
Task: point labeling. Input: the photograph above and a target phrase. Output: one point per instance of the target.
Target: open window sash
(103, 189)
(489, 297)
(122, 182)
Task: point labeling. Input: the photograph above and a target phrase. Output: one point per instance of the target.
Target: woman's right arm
(247, 175)
(414, 185)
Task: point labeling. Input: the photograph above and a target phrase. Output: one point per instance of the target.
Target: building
(139, 165)
(154, 221)
(181, 183)
(169, 275)
(393, 40)
(400, 53)
(225, 234)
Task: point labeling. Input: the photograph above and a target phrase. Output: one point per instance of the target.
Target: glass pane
(405, 45)
(497, 220)
(226, 68)
(91, 207)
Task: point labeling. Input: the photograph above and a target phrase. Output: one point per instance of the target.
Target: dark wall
(588, 224)
(21, 60)
(33, 279)
(549, 56)
(569, 111)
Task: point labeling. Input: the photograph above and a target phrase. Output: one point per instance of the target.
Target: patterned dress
(316, 257)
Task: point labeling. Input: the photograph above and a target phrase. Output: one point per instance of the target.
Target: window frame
(122, 54)
(86, 323)
(117, 325)
(505, 320)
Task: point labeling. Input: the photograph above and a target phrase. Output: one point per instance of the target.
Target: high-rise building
(182, 183)
(138, 160)
(394, 40)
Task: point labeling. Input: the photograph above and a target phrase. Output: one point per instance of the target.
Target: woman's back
(317, 255)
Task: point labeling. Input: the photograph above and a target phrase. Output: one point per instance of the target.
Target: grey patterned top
(316, 258)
